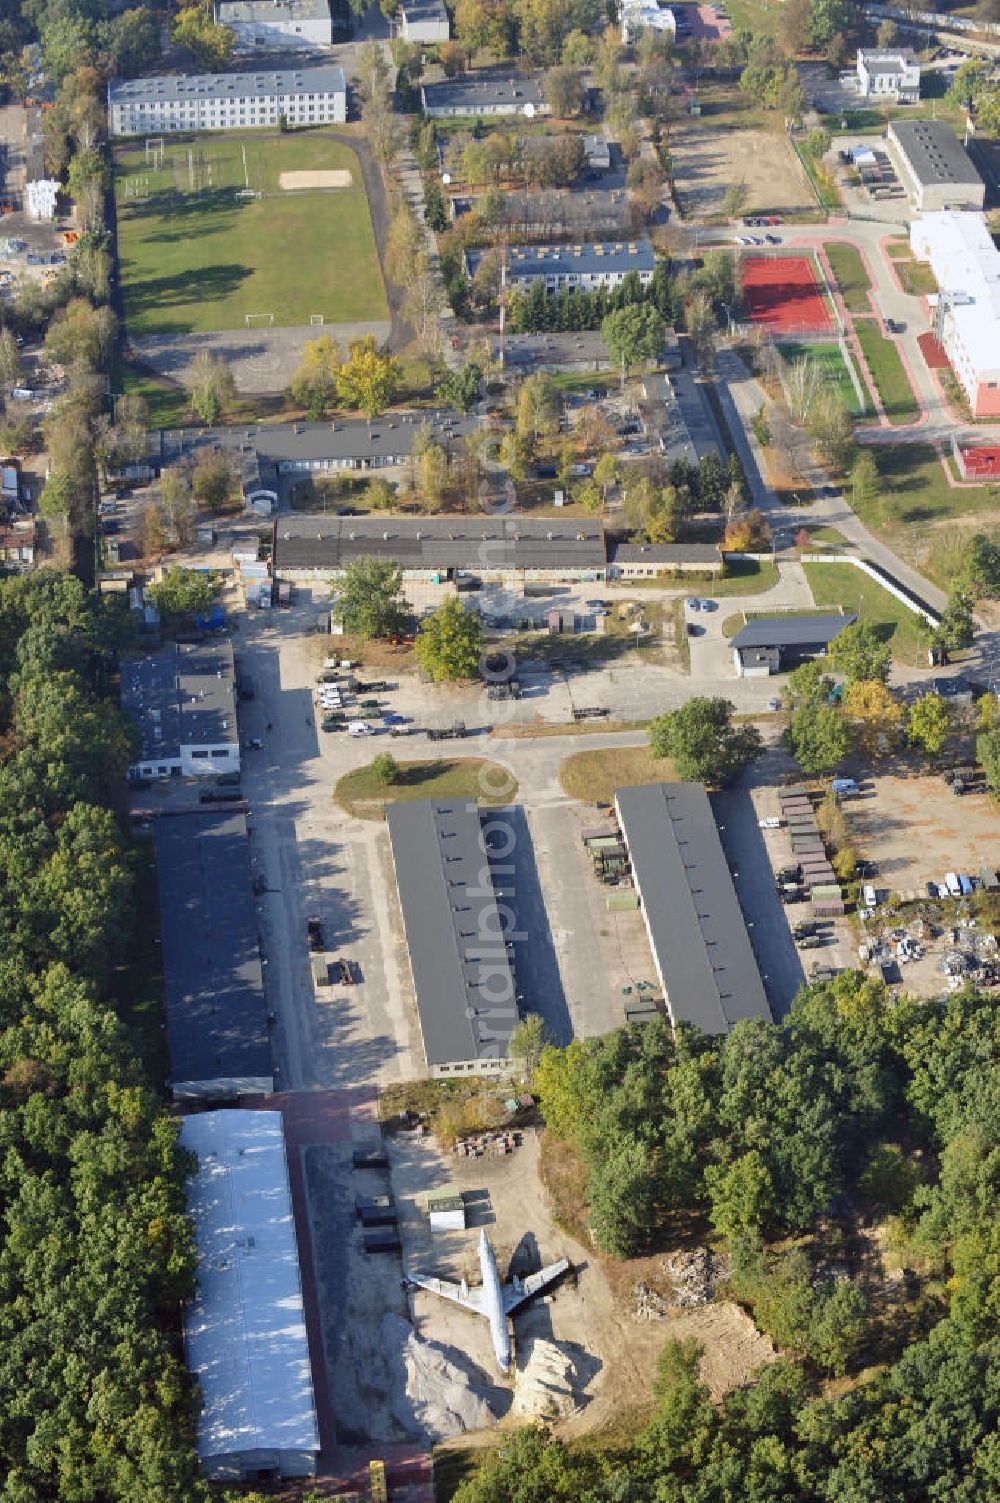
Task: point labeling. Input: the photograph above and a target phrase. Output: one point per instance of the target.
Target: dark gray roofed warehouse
(701, 948)
(216, 1015)
(484, 544)
(465, 992)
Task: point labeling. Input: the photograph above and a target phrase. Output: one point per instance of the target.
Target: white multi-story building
(227, 101)
(645, 15)
(278, 23)
(890, 74)
(966, 265)
(423, 21)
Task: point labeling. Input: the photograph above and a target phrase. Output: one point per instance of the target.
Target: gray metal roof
(461, 974)
(390, 436)
(213, 987)
(525, 261)
(934, 152)
(471, 542)
(271, 12)
(555, 349)
(792, 631)
(483, 91)
(182, 696)
(677, 414)
(697, 930)
(416, 11)
(284, 82)
(665, 553)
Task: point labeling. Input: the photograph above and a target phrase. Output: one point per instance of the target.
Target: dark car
(792, 894)
(345, 972)
(804, 929)
(789, 874)
(810, 942)
(314, 931)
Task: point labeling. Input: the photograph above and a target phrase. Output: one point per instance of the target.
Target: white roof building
(890, 74)
(643, 15)
(966, 265)
(245, 1332)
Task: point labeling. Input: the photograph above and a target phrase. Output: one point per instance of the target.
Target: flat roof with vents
(182, 696)
(281, 83)
(245, 1331)
(464, 985)
(217, 1032)
(483, 91)
(697, 933)
(602, 256)
(475, 542)
(934, 153)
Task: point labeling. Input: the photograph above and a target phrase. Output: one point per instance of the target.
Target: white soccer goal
(316, 320)
(154, 151)
(137, 187)
(259, 320)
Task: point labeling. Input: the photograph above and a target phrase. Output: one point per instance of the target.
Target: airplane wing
(459, 1294)
(518, 1290)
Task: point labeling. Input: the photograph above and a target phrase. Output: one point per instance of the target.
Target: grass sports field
(196, 258)
(784, 294)
(832, 361)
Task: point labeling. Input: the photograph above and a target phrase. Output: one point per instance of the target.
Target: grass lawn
(824, 186)
(830, 535)
(199, 260)
(361, 794)
(890, 378)
(843, 584)
(593, 776)
(852, 278)
(834, 370)
(743, 576)
(915, 509)
(916, 278)
(169, 405)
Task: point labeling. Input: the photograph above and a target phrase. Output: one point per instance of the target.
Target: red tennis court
(981, 461)
(783, 294)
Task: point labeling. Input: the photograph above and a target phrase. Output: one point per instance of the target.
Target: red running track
(783, 294)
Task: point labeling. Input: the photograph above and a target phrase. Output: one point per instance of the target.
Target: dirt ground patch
(915, 829)
(707, 160)
(337, 177)
(614, 1351)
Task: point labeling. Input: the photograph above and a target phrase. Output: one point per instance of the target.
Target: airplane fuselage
(493, 1301)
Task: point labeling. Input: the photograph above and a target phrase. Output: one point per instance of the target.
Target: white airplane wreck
(493, 1300)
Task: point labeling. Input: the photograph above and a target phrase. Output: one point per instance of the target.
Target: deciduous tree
(369, 378)
(370, 601)
(448, 643)
(703, 741)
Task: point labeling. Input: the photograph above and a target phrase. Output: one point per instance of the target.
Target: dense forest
(860, 1112)
(95, 1248)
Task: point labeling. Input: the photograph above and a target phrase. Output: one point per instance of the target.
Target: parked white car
(359, 728)
(953, 885)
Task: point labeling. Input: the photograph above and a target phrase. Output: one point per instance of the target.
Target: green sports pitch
(832, 361)
(207, 237)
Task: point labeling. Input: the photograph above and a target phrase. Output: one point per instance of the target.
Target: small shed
(446, 1210)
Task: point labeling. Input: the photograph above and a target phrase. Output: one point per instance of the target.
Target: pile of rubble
(647, 1304)
(694, 1273)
